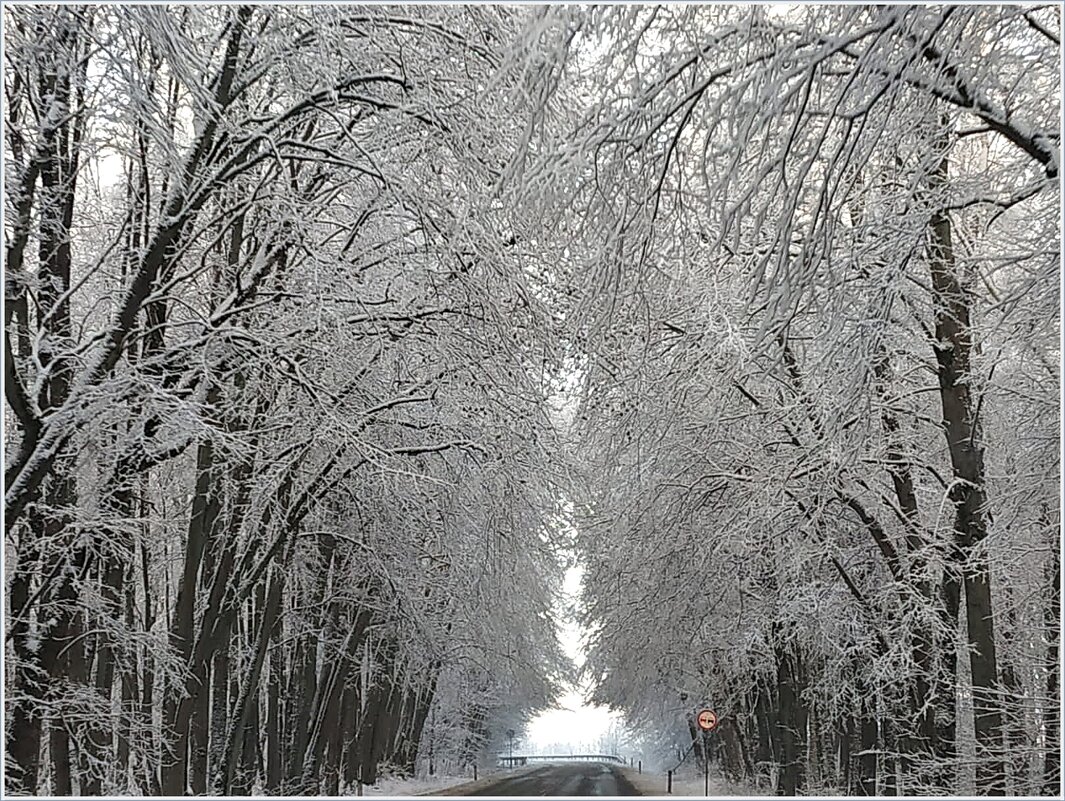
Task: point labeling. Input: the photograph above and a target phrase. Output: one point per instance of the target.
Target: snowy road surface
(564, 778)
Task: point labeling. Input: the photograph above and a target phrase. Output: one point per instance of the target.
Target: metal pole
(639, 766)
(706, 776)
(669, 782)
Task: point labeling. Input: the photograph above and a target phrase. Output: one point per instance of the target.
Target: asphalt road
(563, 778)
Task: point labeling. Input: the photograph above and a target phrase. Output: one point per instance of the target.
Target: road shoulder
(644, 783)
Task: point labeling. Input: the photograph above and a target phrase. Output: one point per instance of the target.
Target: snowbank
(426, 785)
(687, 784)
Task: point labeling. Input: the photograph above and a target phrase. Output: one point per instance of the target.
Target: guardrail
(525, 759)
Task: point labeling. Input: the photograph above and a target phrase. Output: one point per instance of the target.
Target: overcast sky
(575, 725)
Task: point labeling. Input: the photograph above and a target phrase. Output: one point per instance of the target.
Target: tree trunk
(116, 549)
(205, 507)
(888, 759)
(947, 679)
(274, 735)
(813, 751)
(301, 693)
(922, 735)
(407, 753)
(791, 722)
(846, 735)
(744, 746)
(250, 761)
(149, 697)
(326, 715)
(63, 648)
(766, 727)
(348, 720)
(867, 746)
(249, 697)
(128, 692)
(1052, 706)
(23, 740)
(61, 655)
(953, 351)
(220, 706)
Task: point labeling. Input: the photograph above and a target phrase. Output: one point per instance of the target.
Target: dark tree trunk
(220, 705)
(199, 722)
(61, 656)
(766, 727)
(407, 753)
(744, 745)
(128, 690)
(63, 649)
(114, 565)
(373, 736)
(367, 767)
(182, 632)
(1016, 700)
(791, 722)
(867, 747)
(1052, 706)
(331, 759)
(953, 353)
(348, 721)
(389, 724)
(148, 698)
(23, 741)
(302, 692)
(888, 763)
(732, 761)
(248, 704)
(274, 738)
(326, 714)
(947, 679)
(250, 761)
(846, 735)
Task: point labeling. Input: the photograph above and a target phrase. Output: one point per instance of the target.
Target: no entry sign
(707, 719)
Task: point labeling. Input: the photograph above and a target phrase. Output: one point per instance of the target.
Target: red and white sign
(707, 719)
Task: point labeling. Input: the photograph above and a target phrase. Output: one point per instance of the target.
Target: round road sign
(707, 719)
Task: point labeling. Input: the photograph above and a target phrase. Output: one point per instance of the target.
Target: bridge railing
(525, 759)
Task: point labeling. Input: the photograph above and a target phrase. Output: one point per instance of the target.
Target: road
(562, 778)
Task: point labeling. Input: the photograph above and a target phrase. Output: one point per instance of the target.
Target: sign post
(707, 720)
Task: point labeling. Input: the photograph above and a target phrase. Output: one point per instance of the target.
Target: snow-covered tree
(808, 243)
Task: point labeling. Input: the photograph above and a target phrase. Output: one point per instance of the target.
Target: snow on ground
(689, 783)
(421, 785)
(438, 785)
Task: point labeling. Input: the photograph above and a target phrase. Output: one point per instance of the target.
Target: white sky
(575, 726)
